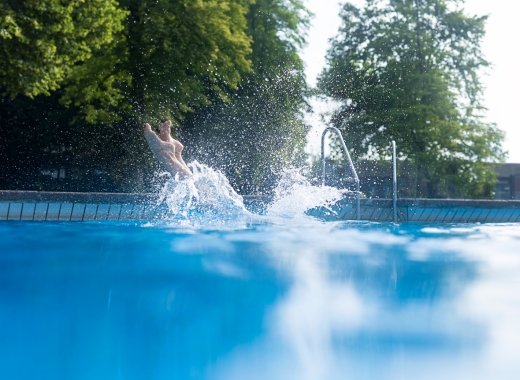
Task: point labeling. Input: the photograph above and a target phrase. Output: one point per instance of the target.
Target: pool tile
(402, 214)
(441, 217)
(435, 213)
(366, 213)
(102, 212)
(77, 211)
(137, 212)
(149, 212)
(114, 211)
(515, 217)
(502, 216)
(491, 216)
(90, 212)
(15, 211)
(483, 215)
(466, 215)
(376, 216)
(386, 215)
(507, 215)
(336, 208)
(421, 214)
(347, 211)
(497, 215)
(40, 211)
(341, 213)
(126, 212)
(472, 215)
(4, 210)
(450, 215)
(53, 211)
(458, 215)
(416, 216)
(28, 211)
(412, 211)
(425, 216)
(349, 214)
(65, 211)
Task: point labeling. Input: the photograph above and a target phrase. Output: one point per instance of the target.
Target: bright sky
(500, 46)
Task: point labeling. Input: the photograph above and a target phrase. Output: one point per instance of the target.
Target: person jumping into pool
(167, 150)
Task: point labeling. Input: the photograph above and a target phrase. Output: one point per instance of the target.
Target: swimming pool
(285, 297)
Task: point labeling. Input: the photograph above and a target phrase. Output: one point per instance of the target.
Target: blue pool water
(259, 298)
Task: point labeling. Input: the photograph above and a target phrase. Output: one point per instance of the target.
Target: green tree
(43, 43)
(259, 130)
(172, 58)
(113, 64)
(177, 60)
(407, 70)
(172, 54)
(42, 40)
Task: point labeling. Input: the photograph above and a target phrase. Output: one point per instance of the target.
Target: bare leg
(165, 134)
(165, 153)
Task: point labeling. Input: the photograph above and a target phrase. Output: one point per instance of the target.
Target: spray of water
(294, 195)
(208, 197)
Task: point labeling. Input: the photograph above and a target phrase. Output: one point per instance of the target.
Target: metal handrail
(352, 169)
(394, 180)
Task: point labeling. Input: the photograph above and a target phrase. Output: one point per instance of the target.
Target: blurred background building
(508, 184)
(376, 180)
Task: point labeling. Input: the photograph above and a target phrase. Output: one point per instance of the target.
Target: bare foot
(165, 131)
(165, 153)
(165, 134)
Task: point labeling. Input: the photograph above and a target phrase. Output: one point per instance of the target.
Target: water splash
(294, 195)
(206, 195)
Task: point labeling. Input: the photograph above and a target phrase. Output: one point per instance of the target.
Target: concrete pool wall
(56, 206)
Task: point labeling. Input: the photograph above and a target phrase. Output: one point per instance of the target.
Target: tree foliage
(407, 70)
(42, 40)
(259, 129)
(172, 54)
(202, 63)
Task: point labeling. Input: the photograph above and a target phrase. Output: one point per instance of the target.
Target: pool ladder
(351, 165)
(354, 173)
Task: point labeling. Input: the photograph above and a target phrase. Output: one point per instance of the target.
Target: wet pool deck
(59, 206)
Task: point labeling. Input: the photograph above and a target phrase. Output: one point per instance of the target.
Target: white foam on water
(207, 195)
(294, 195)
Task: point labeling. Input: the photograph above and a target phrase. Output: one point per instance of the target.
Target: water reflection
(368, 310)
(296, 301)
(315, 311)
